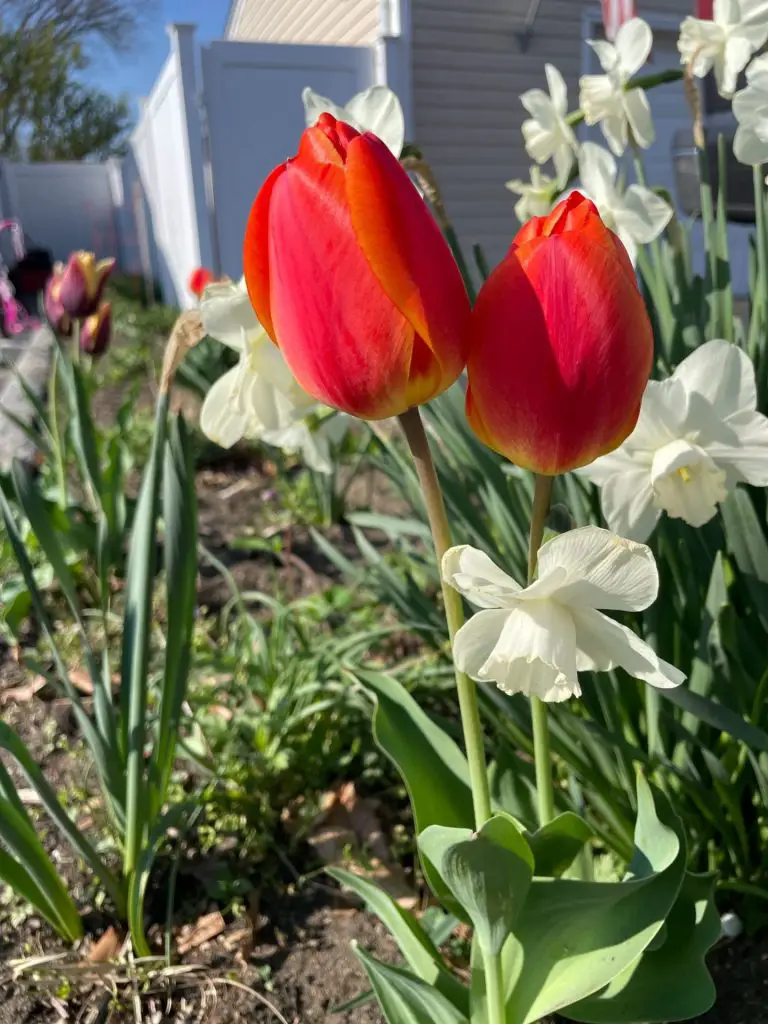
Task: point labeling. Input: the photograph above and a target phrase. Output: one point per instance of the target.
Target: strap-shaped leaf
(28, 869)
(13, 744)
(406, 999)
(419, 951)
(180, 557)
(136, 637)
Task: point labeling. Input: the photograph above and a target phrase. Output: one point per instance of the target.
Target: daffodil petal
(603, 570)
(478, 578)
(604, 644)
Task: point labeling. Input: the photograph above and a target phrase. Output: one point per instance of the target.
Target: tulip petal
(341, 336)
(560, 349)
(408, 255)
(603, 570)
(256, 252)
(604, 644)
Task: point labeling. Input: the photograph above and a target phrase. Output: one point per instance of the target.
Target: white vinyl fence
(217, 121)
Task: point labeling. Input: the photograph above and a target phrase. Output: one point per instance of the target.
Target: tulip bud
(82, 284)
(560, 344)
(96, 331)
(199, 280)
(60, 322)
(350, 276)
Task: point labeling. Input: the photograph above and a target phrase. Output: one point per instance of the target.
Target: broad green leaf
(433, 768)
(419, 951)
(671, 982)
(573, 938)
(489, 873)
(406, 999)
(557, 844)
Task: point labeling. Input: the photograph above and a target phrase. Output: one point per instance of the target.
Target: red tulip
(82, 284)
(199, 280)
(96, 331)
(350, 276)
(560, 344)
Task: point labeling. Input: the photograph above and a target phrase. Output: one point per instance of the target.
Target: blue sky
(134, 73)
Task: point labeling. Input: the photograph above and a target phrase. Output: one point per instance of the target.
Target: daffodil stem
(413, 427)
(416, 436)
(542, 753)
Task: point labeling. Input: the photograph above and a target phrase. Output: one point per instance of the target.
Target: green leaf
(31, 873)
(136, 634)
(434, 770)
(406, 999)
(180, 555)
(81, 425)
(13, 744)
(748, 544)
(139, 879)
(557, 844)
(419, 951)
(489, 873)
(671, 982)
(573, 938)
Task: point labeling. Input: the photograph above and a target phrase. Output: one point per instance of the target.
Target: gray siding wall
(345, 22)
(468, 73)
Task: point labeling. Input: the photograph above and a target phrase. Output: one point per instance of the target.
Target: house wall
(469, 70)
(346, 22)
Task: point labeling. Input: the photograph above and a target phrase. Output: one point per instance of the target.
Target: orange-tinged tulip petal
(407, 252)
(351, 277)
(561, 345)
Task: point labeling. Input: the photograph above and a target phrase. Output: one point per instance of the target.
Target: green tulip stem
(413, 427)
(542, 753)
(415, 434)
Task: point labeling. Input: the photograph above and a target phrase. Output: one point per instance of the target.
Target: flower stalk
(413, 427)
(542, 753)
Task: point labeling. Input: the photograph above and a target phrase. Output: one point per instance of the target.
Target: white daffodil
(547, 134)
(750, 107)
(738, 29)
(698, 435)
(606, 100)
(258, 399)
(375, 110)
(536, 640)
(637, 216)
(537, 197)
